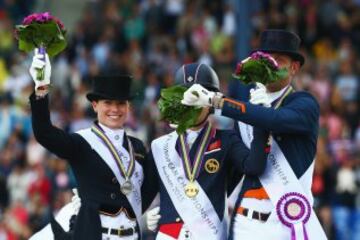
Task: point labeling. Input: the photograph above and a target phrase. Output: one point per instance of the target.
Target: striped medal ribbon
(127, 186)
(279, 101)
(192, 168)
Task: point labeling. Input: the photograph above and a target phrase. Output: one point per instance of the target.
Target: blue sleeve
(300, 114)
(239, 91)
(251, 162)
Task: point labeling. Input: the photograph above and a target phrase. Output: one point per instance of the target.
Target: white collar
(189, 131)
(275, 95)
(191, 135)
(115, 135)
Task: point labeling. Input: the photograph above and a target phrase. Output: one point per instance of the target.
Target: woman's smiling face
(111, 113)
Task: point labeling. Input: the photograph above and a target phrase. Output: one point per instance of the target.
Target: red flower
(238, 68)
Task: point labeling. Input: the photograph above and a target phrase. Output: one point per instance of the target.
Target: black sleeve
(150, 187)
(57, 141)
(251, 162)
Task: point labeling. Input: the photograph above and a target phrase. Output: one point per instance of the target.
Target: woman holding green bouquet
(107, 163)
(192, 167)
(277, 204)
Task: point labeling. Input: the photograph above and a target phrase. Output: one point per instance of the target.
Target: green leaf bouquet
(174, 112)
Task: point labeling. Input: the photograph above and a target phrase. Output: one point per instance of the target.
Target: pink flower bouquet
(43, 31)
(259, 67)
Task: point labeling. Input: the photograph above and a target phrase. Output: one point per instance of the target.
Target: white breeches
(245, 228)
(117, 222)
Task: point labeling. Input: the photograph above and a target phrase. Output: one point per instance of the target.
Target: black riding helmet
(200, 73)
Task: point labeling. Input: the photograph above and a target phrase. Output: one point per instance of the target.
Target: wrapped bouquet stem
(43, 31)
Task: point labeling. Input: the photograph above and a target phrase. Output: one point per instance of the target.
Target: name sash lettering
(198, 212)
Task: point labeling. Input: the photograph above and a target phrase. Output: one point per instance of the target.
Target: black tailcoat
(97, 185)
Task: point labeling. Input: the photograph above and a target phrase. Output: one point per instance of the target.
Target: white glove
(38, 63)
(259, 96)
(75, 201)
(199, 96)
(152, 219)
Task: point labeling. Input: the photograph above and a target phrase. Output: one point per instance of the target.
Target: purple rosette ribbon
(294, 210)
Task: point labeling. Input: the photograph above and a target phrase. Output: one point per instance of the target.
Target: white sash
(197, 213)
(136, 179)
(279, 179)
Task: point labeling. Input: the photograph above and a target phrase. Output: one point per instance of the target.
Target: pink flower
(42, 18)
(29, 19)
(261, 55)
(59, 23)
(240, 65)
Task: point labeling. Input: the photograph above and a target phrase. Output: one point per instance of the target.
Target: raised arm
(298, 114)
(55, 140)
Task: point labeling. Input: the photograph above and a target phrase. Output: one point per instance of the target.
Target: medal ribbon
(279, 101)
(130, 170)
(192, 169)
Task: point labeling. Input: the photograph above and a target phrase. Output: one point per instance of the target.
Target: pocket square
(214, 145)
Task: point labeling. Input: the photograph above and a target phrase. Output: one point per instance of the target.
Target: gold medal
(191, 190)
(192, 168)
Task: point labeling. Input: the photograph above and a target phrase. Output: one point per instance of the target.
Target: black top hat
(281, 41)
(111, 87)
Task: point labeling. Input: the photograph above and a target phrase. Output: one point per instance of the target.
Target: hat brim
(294, 55)
(98, 96)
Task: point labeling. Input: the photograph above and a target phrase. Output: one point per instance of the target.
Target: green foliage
(259, 71)
(47, 35)
(174, 112)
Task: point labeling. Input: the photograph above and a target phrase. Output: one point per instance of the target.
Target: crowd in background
(150, 39)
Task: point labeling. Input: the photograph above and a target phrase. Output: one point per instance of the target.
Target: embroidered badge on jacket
(212, 165)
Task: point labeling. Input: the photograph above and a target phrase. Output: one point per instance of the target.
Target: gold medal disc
(191, 190)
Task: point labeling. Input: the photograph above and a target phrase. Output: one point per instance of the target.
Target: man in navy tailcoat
(292, 117)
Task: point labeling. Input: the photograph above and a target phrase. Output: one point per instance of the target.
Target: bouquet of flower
(174, 112)
(43, 31)
(259, 67)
